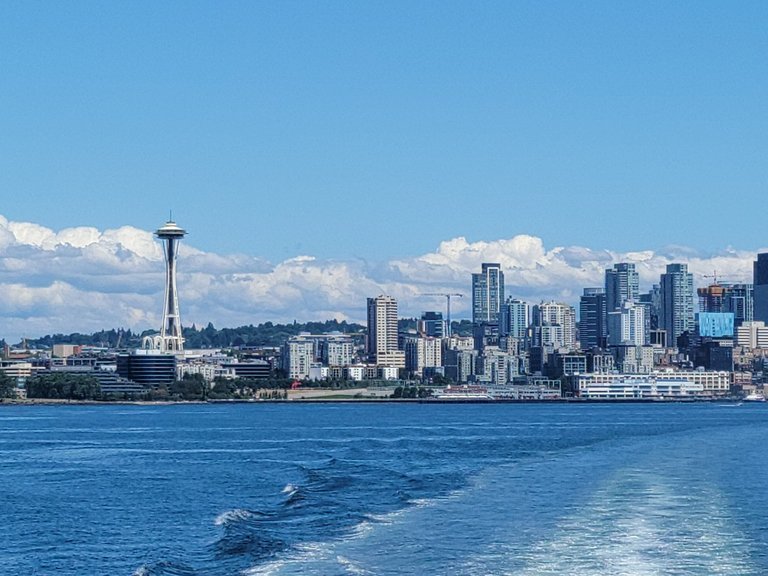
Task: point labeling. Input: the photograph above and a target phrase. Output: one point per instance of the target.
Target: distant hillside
(266, 334)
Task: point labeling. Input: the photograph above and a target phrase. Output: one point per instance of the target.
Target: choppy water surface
(335, 489)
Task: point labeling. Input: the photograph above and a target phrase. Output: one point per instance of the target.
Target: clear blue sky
(378, 129)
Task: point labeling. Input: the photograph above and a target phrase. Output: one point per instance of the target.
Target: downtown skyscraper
(676, 314)
(760, 282)
(487, 294)
(514, 319)
(622, 283)
(592, 319)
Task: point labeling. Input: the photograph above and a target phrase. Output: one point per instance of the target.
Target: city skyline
(84, 279)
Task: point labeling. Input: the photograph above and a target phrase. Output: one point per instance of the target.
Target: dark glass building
(592, 319)
(432, 324)
(760, 271)
(147, 367)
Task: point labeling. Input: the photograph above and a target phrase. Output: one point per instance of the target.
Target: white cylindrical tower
(170, 333)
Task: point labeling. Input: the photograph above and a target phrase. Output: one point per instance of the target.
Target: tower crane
(447, 297)
(715, 277)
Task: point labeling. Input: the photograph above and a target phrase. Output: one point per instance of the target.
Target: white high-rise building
(297, 357)
(554, 325)
(627, 325)
(337, 351)
(382, 332)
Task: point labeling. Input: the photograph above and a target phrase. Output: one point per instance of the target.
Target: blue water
(335, 489)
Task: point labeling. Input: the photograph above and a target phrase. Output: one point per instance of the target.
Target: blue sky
(376, 130)
(320, 153)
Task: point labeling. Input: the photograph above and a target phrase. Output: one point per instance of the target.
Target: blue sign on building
(716, 324)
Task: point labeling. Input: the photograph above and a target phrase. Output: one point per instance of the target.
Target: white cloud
(82, 279)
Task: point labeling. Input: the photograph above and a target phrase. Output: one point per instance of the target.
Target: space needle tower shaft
(170, 333)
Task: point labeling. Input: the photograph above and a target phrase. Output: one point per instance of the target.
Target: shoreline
(63, 402)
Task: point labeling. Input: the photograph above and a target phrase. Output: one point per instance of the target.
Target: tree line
(265, 334)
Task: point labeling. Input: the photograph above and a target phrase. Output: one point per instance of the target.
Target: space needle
(171, 339)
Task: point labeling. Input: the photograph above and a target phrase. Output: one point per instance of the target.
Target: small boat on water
(754, 397)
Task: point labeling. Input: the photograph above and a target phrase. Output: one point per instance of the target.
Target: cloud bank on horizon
(83, 279)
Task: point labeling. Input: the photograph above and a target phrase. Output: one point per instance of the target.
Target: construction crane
(715, 276)
(448, 307)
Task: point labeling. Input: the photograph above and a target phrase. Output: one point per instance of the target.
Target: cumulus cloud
(83, 279)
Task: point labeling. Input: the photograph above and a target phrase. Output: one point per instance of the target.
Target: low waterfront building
(18, 371)
(209, 371)
(355, 372)
(659, 385)
(110, 383)
(543, 390)
(252, 369)
(148, 367)
(318, 372)
(388, 372)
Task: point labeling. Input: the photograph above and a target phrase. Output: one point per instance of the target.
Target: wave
(236, 515)
(165, 568)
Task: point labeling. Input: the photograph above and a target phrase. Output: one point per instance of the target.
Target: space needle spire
(171, 339)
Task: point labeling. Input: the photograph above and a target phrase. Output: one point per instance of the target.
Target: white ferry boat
(754, 397)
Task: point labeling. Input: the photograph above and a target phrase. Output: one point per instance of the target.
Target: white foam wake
(230, 516)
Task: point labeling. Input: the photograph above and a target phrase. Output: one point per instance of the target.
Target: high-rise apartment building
(554, 325)
(621, 283)
(487, 294)
(760, 281)
(592, 318)
(337, 351)
(677, 315)
(515, 319)
(422, 352)
(382, 332)
(297, 356)
(627, 326)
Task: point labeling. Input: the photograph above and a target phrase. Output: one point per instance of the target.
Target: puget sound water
(390, 489)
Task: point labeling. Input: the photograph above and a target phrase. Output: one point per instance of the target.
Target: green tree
(7, 386)
(66, 386)
(190, 387)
